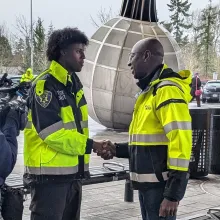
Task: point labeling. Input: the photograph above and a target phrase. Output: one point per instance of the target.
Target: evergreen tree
(206, 37)
(50, 30)
(167, 25)
(179, 12)
(19, 50)
(5, 50)
(39, 36)
(39, 46)
(27, 54)
(5, 47)
(19, 46)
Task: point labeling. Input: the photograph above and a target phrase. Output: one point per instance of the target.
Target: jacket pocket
(47, 155)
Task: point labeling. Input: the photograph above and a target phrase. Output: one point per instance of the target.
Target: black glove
(23, 120)
(19, 116)
(3, 114)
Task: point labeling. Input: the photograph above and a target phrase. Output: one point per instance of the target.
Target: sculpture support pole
(143, 10)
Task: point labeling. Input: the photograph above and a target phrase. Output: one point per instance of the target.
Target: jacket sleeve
(173, 113)
(199, 83)
(22, 78)
(8, 148)
(122, 150)
(46, 118)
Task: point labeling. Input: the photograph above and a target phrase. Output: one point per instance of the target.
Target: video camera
(15, 96)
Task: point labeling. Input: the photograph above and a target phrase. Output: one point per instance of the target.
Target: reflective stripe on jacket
(56, 135)
(160, 134)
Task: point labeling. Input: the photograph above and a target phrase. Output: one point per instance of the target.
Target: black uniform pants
(56, 201)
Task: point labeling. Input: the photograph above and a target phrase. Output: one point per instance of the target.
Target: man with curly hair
(57, 145)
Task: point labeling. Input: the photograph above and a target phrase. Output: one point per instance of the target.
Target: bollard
(129, 194)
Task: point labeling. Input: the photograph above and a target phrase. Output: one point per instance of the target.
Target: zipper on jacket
(77, 114)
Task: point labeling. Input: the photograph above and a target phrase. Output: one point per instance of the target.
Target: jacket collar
(62, 75)
(59, 72)
(146, 82)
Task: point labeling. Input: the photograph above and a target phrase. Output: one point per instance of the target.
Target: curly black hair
(61, 39)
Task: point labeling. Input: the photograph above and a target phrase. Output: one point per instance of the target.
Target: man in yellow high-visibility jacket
(160, 134)
(57, 145)
(27, 76)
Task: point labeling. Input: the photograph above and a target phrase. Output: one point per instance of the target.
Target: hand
(3, 114)
(97, 146)
(23, 120)
(105, 149)
(168, 208)
(19, 116)
(109, 150)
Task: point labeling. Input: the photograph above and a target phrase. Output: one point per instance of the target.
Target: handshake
(104, 149)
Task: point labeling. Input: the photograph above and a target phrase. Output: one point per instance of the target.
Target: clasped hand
(104, 149)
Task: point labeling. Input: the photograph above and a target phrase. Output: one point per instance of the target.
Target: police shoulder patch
(44, 99)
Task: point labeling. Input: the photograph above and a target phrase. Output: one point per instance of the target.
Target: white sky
(71, 12)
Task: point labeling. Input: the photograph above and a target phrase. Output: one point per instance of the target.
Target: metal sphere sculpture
(108, 83)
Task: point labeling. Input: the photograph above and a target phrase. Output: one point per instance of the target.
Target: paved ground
(106, 201)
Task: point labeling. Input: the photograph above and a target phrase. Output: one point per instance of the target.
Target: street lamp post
(32, 52)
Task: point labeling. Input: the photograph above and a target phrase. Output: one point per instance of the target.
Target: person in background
(27, 76)
(5, 81)
(160, 134)
(196, 89)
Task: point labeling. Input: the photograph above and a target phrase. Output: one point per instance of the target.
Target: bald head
(151, 44)
(146, 56)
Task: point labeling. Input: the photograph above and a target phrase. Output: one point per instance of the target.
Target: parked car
(211, 91)
(15, 79)
(203, 83)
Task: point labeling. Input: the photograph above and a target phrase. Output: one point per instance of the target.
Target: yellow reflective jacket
(27, 76)
(160, 134)
(56, 135)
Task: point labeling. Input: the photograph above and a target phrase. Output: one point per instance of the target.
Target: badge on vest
(44, 99)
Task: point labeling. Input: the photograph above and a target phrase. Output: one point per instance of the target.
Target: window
(213, 84)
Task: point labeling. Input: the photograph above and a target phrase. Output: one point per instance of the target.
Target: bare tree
(189, 54)
(217, 31)
(103, 16)
(23, 27)
(23, 34)
(23, 43)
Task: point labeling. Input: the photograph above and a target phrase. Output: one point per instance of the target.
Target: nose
(83, 56)
(129, 60)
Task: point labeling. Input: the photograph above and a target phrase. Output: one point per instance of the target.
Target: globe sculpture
(108, 83)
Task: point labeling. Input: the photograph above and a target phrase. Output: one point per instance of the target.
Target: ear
(63, 52)
(147, 55)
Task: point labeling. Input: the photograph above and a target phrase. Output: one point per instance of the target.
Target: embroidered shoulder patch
(44, 99)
